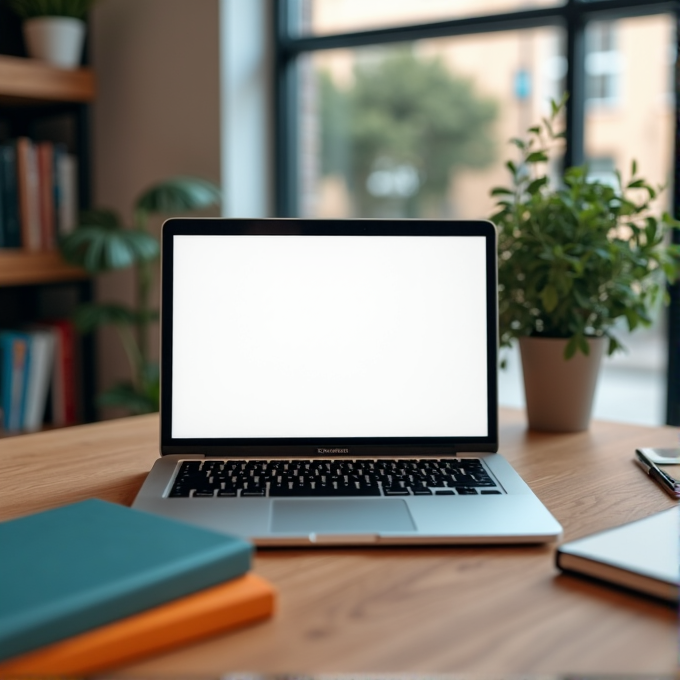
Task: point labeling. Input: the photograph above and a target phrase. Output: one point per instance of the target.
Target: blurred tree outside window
(400, 130)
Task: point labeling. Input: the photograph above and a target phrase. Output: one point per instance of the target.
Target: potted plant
(576, 255)
(100, 244)
(54, 30)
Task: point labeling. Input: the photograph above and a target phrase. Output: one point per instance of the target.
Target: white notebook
(643, 555)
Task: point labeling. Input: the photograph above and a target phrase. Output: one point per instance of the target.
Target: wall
(164, 89)
(156, 114)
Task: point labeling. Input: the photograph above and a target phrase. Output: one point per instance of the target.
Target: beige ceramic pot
(559, 392)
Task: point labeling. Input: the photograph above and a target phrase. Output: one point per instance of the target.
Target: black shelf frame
(572, 17)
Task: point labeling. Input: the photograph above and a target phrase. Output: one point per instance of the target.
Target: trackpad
(340, 516)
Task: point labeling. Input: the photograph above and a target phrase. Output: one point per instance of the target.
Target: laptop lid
(285, 337)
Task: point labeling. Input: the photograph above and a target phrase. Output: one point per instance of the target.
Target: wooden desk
(430, 610)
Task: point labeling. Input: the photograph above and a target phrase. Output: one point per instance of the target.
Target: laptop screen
(327, 336)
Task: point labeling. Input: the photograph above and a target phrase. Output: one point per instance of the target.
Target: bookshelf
(22, 269)
(30, 82)
(49, 104)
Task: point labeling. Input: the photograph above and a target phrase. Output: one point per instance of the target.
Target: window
(323, 17)
(418, 129)
(603, 64)
(373, 96)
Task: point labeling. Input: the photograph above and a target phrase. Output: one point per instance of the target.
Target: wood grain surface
(471, 610)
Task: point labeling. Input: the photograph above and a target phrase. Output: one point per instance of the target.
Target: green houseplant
(100, 243)
(54, 30)
(576, 255)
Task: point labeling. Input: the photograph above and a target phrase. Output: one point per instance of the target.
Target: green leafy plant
(28, 9)
(100, 244)
(576, 257)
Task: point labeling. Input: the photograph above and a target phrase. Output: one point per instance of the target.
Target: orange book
(214, 610)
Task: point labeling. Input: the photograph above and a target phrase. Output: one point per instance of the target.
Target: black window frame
(572, 17)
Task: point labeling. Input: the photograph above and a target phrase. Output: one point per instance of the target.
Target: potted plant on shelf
(100, 244)
(576, 255)
(54, 30)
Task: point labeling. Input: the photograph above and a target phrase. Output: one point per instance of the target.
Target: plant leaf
(100, 248)
(536, 185)
(570, 348)
(549, 298)
(537, 157)
(179, 194)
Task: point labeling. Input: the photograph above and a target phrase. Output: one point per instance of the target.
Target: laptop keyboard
(314, 478)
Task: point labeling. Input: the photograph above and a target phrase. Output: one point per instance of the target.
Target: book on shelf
(106, 562)
(34, 364)
(13, 373)
(38, 194)
(66, 190)
(29, 195)
(10, 225)
(46, 181)
(64, 397)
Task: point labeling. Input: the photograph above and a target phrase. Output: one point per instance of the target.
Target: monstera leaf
(179, 194)
(101, 244)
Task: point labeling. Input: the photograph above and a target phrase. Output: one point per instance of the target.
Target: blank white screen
(330, 336)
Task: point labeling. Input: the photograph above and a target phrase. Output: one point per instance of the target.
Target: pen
(663, 479)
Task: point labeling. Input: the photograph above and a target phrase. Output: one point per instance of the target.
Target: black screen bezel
(354, 446)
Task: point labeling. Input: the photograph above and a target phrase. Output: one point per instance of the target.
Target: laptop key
(396, 491)
(253, 492)
(179, 493)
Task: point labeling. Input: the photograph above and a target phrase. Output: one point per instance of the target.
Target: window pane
(321, 17)
(421, 129)
(630, 114)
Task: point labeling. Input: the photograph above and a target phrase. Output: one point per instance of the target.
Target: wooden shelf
(19, 268)
(30, 82)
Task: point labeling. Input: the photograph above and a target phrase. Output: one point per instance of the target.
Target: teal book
(80, 566)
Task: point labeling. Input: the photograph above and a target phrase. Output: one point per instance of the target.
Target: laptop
(334, 382)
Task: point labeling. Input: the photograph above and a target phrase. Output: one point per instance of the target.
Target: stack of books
(92, 586)
(34, 365)
(38, 194)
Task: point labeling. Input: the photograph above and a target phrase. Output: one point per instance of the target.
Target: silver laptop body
(334, 382)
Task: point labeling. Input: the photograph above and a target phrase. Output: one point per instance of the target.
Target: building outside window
(603, 64)
(402, 109)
